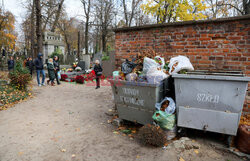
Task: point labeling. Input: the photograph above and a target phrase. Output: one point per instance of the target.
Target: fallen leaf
(77, 129)
(115, 132)
(63, 150)
(20, 153)
(181, 159)
(73, 155)
(138, 156)
(196, 151)
(133, 131)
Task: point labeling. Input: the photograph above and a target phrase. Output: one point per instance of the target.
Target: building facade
(51, 42)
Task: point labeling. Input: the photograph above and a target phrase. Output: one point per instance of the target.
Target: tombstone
(81, 64)
(97, 56)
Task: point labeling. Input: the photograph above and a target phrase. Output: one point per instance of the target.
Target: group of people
(53, 67)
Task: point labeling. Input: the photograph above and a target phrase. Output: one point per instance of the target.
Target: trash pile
(151, 68)
(242, 139)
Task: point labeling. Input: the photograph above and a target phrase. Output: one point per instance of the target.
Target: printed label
(203, 97)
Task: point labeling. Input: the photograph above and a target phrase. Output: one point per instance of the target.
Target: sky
(73, 8)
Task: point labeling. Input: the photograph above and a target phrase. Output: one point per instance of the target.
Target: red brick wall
(222, 44)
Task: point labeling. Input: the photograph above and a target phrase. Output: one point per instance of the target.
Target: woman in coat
(98, 73)
(51, 72)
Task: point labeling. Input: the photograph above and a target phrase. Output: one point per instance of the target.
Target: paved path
(70, 119)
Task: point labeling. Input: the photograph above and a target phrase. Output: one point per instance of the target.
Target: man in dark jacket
(98, 73)
(39, 69)
(30, 65)
(57, 68)
(11, 63)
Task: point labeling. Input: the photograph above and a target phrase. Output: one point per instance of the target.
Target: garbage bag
(170, 108)
(155, 76)
(164, 120)
(128, 66)
(179, 63)
(116, 74)
(243, 141)
(160, 61)
(148, 64)
(131, 77)
(170, 134)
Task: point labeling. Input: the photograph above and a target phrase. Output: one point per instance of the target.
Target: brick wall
(221, 44)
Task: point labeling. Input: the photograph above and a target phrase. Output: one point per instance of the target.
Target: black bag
(128, 66)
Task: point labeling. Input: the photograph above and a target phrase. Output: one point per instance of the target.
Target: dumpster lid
(229, 75)
(117, 82)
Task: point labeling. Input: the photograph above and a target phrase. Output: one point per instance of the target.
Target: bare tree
(32, 31)
(104, 14)
(87, 7)
(38, 27)
(129, 15)
(57, 15)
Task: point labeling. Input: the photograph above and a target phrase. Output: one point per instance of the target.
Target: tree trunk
(57, 16)
(246, 7)
(32, 34)
(38, 28)
(78, 46)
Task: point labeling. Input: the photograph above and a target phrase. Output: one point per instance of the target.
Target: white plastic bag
(155, 76)
(171, 133)
(159, 60)
(131, 77)
(149, 63)
(171, 107)
(179, 63)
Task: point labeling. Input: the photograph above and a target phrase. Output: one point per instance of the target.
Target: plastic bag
(116, 74)
(170, 134)
(155, 76)
(59, 75)
(171, 106)
(131, 77)
(148, 64)
(164, 120)
(160, 61)
(179, 63)
(128, 66)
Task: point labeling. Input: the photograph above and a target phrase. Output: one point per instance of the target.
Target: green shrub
(57, 53)
(20, 77)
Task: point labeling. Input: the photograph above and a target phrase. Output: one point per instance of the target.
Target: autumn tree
(7, 35)
(175, 10)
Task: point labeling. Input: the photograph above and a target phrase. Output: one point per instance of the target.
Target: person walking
(39, 69)
(30, 65)
(51, 72)
(57, 69)
(98, 73)
(11, 64)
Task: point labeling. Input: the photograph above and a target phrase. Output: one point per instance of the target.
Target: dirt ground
(68, 122)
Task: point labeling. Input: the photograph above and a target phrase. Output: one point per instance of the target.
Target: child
(51, 72)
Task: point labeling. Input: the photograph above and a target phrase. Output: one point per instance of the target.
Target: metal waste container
(135, 101)
(211, 102)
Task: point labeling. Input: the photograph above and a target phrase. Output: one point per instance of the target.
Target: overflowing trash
(179, 63)
(150, 67)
